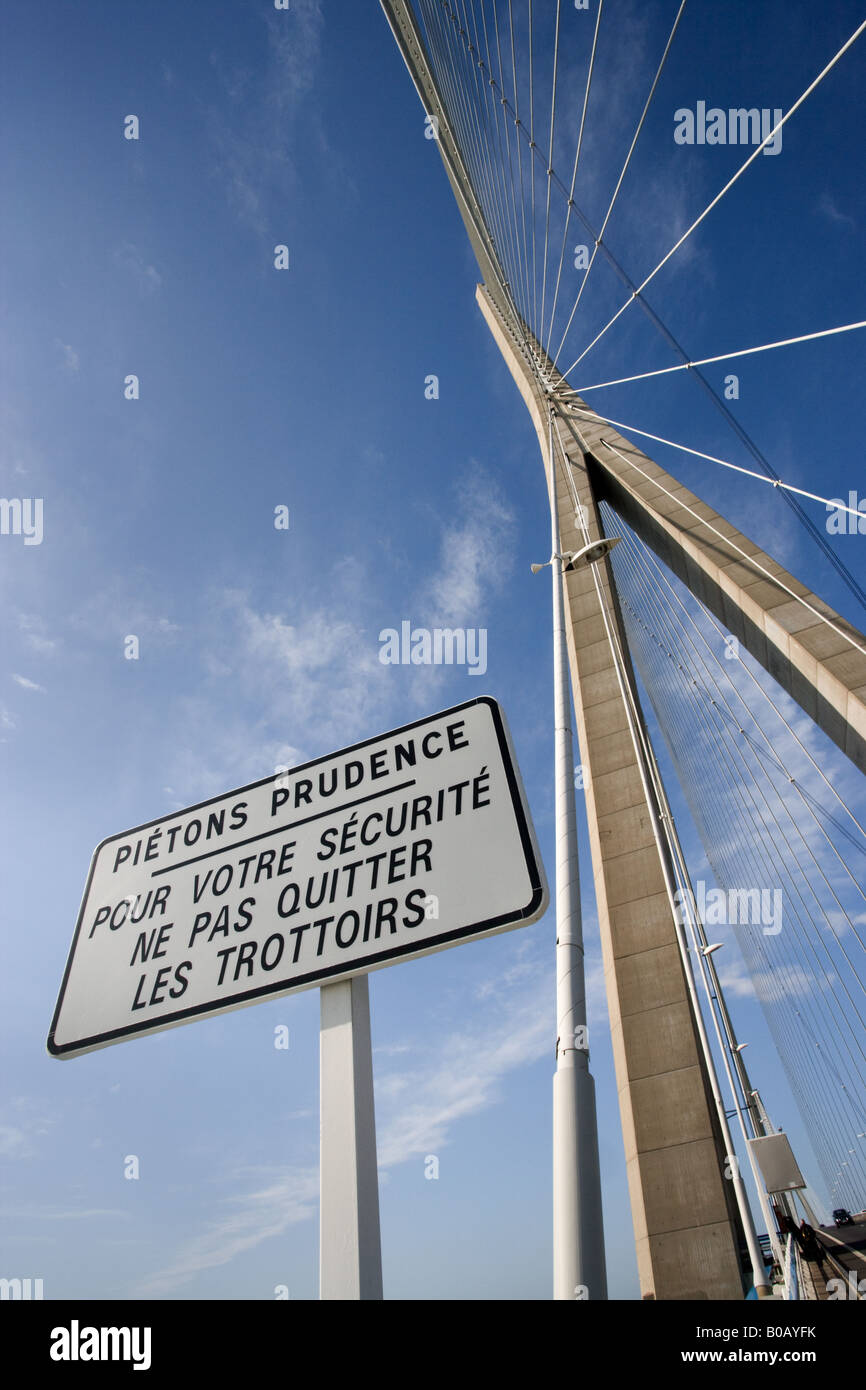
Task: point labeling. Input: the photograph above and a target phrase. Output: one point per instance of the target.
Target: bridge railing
(791, 1270)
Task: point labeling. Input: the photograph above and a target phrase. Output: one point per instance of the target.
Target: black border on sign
(519, 917)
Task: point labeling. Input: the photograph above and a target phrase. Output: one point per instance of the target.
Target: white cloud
(116, 611)
(464, 1076)
(324, 673)
(58, 1214)
(146, 276)
(314, 671)
(513, 1023)
(70, 356)
(735, 979)
(24, 1127)
(788, 982)
(28, 684)
(460, 1077)
(33, 629)
(13, 1142)
(254, 150)
(475, 554)
(373, 457)
(294, 53)
(247, 1221)
(316, 675)
(828, 208)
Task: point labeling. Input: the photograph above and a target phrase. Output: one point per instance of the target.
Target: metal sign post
(350, 1254)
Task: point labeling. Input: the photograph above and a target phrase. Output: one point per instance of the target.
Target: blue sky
(260, 647)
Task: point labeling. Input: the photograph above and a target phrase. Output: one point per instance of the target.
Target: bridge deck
(847, 1247)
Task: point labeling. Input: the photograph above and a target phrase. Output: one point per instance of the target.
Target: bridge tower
(687, 1229)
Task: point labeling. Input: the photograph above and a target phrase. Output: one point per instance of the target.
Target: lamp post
(579, 1270)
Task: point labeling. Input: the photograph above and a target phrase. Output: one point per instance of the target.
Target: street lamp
(577, 559)
(578, 1230)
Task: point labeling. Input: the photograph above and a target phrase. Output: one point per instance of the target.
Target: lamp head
(591, 554)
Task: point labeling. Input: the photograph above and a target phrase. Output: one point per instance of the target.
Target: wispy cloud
(13, 1142)
(22, 1127)
(328, 682)
(132, 260)
(69, 355)
(475, 550)
(315, 673)
(33, 629)
(28, 684)
(776, 983)
(59, 1214)
(417, 1110)
(247, 1220)
(116, 611)
(255, 149)
(828, 208)
(423, 1103)
(313, 668)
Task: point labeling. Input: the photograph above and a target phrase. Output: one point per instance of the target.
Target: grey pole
(350, 1258)
(578, 1232)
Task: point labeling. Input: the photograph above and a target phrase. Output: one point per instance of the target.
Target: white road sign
(404, 844)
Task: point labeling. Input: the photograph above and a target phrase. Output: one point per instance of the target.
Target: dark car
(843, 1217)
